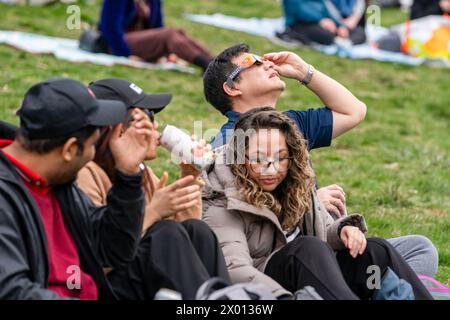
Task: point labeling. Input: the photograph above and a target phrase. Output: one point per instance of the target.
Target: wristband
(309, 76)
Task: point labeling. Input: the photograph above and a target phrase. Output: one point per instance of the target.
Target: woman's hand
(200, 149)
(354, 240)
(129, 147)
(196, 211)
(168, 200)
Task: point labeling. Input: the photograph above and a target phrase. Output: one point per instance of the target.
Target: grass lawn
(394, 166)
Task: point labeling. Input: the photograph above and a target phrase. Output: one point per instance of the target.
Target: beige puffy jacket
(249, 236)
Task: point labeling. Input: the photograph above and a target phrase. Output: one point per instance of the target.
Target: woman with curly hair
(260, 200)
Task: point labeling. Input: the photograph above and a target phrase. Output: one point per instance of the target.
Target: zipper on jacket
(274, 241)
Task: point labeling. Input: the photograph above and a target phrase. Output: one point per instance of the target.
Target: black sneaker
(289, 38)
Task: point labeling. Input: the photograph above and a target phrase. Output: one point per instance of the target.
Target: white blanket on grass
(67, 49)
(265, 27)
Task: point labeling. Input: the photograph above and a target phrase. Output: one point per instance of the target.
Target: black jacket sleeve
(116, 227)
(15, 280)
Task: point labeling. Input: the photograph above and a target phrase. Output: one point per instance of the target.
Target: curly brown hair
(292, 198)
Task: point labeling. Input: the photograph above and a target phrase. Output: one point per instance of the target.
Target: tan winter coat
(249, 236)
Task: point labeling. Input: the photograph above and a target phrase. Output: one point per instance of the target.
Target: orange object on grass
(438, 45)
(405, 47)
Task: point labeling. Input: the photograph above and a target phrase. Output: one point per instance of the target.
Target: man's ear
(69, 149)
(232, 92)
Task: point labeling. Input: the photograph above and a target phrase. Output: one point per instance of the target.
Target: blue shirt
(316, 125)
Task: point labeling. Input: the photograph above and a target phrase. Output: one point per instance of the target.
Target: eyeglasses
(248, 61)
(260, 165)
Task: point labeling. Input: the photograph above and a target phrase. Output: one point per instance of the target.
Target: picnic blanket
(67, 49)
(267, 27)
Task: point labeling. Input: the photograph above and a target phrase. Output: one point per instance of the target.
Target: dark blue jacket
(117, 15)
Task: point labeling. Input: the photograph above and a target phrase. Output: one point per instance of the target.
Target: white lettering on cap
(136, 88)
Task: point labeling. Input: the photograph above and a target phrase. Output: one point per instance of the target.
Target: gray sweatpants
(419, 252)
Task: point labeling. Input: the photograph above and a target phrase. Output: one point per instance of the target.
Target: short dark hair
(43, 146)
(216, 74)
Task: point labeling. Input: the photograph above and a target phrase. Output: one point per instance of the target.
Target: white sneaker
(343, 43)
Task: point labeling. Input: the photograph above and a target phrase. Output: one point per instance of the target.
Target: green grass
(394, 166)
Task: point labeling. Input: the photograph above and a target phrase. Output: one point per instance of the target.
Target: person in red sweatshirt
(54, 242)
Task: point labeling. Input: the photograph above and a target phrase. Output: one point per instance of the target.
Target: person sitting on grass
(135, 29)
(237, 81)
(179, 243)
(259, 199)
(324, 21)
(54, 242)
(50, 231)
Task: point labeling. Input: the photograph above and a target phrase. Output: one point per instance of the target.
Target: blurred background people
(324, 21)
(135, 29)
(423, 8)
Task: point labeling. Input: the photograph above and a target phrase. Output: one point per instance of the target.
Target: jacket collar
(27, 174)
(7, 171)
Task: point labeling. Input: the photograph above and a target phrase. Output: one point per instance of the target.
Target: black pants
(310, 261)
(307, 33)
(171, 255)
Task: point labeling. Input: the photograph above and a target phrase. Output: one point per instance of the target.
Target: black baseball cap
(130, 94)
(60, 106)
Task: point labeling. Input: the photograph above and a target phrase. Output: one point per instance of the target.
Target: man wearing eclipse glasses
(238, 81)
